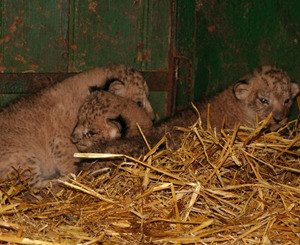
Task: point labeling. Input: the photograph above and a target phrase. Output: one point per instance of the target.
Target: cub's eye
(286, 101)
(90, 134)
(139, 103)
(263, 101)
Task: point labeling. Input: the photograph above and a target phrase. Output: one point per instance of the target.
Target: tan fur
(238, 103)
(105, 116)
(267, 90)
(35, 132)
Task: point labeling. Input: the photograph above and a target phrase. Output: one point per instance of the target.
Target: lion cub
(104, 116)
(265, 90)
(35, 131)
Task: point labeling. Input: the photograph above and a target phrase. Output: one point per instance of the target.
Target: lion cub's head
(105, 116)
(266, 90)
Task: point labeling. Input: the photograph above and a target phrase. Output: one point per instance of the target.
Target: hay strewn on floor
(237, 187)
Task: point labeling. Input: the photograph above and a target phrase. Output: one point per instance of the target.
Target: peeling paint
(12, 29)
(29, 35)
(2, 67)
(143, 55)
(20, 58)
(92, 6)
(59, 6)
(17, 20)
(211, 28)
(5, 39)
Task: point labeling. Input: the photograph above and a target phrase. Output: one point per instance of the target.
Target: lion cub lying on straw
(267, 89)
(35, 132)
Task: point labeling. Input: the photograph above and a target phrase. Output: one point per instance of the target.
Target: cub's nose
(278, 116)
(278, 119)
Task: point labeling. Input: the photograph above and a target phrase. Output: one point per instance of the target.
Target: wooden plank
(29, 82)
(33, 82)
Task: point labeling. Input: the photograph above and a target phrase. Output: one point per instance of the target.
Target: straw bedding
(239, 186)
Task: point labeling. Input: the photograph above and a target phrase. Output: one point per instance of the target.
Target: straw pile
(236, 187)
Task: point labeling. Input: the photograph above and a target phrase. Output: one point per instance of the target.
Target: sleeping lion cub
(105, 116)
(265, 90)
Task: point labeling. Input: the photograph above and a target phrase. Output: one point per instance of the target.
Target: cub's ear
(242, 89)
(294, 89)
(117, 87)
(121, 124)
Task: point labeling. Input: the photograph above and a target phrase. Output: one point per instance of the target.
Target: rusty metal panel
(14, 85)
(119, 31)
(34, 36)
(29, 82)
(103, 32)
(73, 35)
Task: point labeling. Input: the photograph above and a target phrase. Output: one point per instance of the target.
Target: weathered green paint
(123, 31)
(62, 35)
(103, 32)
(33, 36)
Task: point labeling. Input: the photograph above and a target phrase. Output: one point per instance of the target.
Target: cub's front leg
(62, 155)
